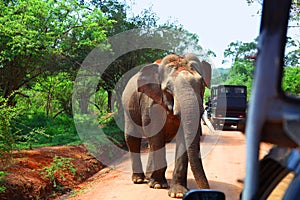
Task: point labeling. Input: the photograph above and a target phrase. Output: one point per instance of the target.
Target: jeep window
(239, 90)
(225, 90)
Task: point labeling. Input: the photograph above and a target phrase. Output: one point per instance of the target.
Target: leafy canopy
(36, 35)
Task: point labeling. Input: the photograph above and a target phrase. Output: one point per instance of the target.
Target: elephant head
(160, 79)
(177, 83)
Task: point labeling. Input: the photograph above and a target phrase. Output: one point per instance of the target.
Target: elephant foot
(177, 191)
(138, 178)
(158, 184)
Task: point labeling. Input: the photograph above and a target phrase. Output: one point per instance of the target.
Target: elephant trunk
(191, 109)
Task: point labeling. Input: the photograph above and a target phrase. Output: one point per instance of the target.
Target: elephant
(163, 101)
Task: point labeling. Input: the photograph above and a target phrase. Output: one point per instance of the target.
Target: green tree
(291, 81)
(120, 13)
(55, 93)
(291, 77)
(239, 50)
(292, 56)
(36, 36)
(7, 136)
(242, 69)
(242, 56)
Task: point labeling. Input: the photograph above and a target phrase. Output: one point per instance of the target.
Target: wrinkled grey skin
(161, 102)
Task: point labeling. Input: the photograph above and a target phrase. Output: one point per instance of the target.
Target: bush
(57, 168)
(291, 81)
(2, 175)
(39, 130)
(7, 137)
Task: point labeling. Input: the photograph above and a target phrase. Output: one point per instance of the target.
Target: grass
(38, 130)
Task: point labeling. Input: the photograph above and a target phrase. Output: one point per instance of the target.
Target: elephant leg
(157, 163)
(133, 138)
(134, 145)
(179, 179)
(150, 167)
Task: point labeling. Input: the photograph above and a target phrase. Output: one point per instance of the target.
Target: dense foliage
(37, 36)
(242, 56)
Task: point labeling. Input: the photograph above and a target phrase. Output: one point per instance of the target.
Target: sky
(217, 23)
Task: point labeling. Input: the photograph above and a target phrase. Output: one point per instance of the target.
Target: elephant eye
(169, 87)
(168, 91)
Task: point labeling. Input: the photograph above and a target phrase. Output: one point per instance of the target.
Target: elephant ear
(205, 69)
(148, 82)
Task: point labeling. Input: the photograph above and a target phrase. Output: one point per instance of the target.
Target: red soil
(26, 178)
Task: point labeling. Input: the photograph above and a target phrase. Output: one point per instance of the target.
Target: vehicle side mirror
(204, 194)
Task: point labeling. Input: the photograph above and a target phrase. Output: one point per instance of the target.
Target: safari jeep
(227, 106)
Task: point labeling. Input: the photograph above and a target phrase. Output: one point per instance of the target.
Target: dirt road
(223, 154)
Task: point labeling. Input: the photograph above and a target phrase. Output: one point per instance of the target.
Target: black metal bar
(267, 78)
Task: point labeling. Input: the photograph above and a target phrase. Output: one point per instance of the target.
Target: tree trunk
(84, 104)
(110, 107)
